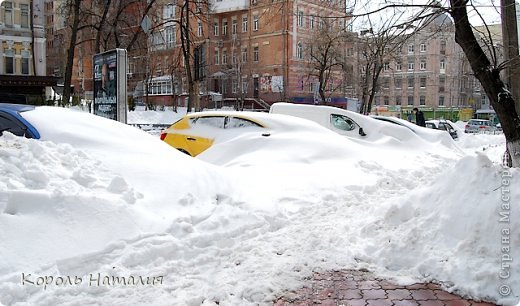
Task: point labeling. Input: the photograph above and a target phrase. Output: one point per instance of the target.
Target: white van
(339, 120)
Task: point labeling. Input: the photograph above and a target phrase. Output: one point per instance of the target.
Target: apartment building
(431, 72)
(22, 67)
(249, 50)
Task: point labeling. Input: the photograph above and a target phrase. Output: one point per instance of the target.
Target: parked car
(443, 125)
(362, 128)
(341, 121)
(479, 126)
(195, 133)
(12, 121)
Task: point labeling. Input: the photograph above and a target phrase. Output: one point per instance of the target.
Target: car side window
(212, 121)
(430, 125)
(342, 122)
(234, 122)
(11, 125)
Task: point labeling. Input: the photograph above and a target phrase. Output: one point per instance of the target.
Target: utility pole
(511, 50)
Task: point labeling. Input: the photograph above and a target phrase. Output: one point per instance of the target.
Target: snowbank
(95, 200)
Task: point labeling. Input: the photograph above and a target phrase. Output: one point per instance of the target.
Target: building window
(386, 66)
(224, 27)
(398, 66)
(255, 22)
(411, 82)
(398, 83)
(422, 82)
(244, 55)
(234, 59)
(386, 100)
(398, 100)
(422, 100)
(255, 54)
(215, 28)
(25, 62)
(170, 36)
(422, 47)
(443, 64)
(300, 18)
(234, 86)
(299, 51)
(442, 84)
(9, 61)
(169, 11)
(411, 65)
(199, 29)
(244, 85)
(24, 14)
(410, 48)
(217, 57)
(410, 100)
(422, 65)
(8, 13)
(441, 100)
(224, 57)
(234, 26)
(312, 22)
(443, 46)
(244, 24)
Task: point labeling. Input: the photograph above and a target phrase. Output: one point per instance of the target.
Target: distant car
(394, 120)
(443, 125)
(479, 126)
(12, 120)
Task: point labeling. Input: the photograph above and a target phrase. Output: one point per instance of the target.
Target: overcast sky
(484, 11)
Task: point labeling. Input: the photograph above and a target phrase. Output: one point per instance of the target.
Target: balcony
(224, 6)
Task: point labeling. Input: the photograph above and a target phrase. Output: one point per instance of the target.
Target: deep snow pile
(242, 232)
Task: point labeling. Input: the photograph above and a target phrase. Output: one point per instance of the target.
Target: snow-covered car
(443, 125)
(12, 120)
(363, 128)
(196, 132)
(339, 120)
(479, 126)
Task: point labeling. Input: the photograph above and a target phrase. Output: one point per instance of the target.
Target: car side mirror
(361, 132)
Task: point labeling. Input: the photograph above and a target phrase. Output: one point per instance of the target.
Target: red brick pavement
(361, 288)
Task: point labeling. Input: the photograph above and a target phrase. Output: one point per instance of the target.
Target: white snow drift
(96, 202)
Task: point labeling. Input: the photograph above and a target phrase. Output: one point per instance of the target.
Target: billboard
(110, 96)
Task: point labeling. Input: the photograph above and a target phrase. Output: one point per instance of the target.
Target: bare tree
(490, 78)
(326, 55)
(73, 9)
(485, 66)
(377, 46)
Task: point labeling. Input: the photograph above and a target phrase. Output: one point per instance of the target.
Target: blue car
(12, 121)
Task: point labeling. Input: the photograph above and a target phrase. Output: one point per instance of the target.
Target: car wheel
(184, 151)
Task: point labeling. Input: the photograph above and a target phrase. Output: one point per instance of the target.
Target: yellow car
(196, 132)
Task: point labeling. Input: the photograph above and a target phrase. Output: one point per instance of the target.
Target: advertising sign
(110, 97)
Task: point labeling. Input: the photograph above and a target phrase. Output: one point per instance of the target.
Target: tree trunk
(31, 21)
(186, 52)
(70, 52)
(489, 76)
(101, 26)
